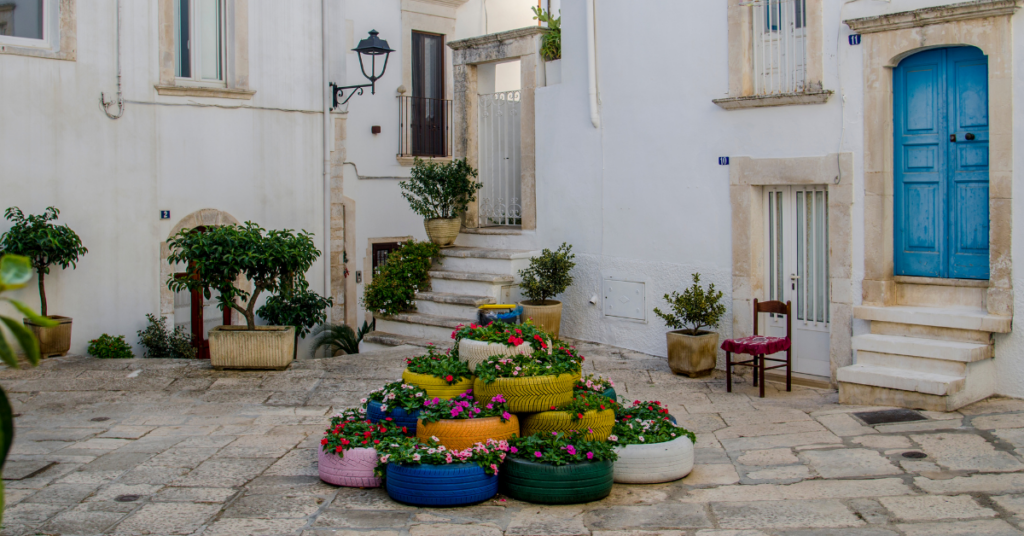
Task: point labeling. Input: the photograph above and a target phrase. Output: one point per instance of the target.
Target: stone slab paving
(165, 447)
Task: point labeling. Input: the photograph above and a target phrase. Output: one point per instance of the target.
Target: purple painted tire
(355, 470)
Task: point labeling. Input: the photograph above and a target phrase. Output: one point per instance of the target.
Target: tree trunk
(42, 294)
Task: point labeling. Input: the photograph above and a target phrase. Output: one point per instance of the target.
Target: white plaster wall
(501, 15)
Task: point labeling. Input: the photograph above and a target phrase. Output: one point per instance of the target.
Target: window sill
(408, 161)
(36, 52)
(762, 101)
(198, 91)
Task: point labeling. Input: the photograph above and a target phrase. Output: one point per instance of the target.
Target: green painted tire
(601, 422)
(556, 484)
(528, 395)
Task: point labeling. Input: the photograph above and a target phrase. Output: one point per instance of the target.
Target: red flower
(367, 433)
(338, 449)
(388, 418)
(323, 441)
(552, 408)
(405, 430)
(345, 441)
(376, 442)
(580, 415)
(364, 442)
(602, 406)
(449, 378)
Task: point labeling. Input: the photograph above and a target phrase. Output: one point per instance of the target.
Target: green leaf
(33, 316)
(15, 271)
(25, 338)
(7, 353)
(6, 428)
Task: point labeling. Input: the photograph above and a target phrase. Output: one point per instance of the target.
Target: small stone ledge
(195, 91)
(978, 9)
(408, 161)
(496, 37)
(764, 101)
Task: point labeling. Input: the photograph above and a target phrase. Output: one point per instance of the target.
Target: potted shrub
(551, 44)
(559, 468)
(546, 277)
(406, 272)
(475, 343)
(398, 402)
(296, 306)
(692, 351)
(441, 193)
(530, 383)
(589, 413)
(650, 447)
(271, 260)
(461, 422)
(348, 455)
(45, 244)
(428, 474)
(440, 375)
(599, 385)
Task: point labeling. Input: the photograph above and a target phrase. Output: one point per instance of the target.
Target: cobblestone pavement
(152, 446)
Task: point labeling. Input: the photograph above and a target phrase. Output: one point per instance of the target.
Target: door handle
(969, 136)
(952, 138)
(794, 277)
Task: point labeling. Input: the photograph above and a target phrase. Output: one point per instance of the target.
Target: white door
(500, 198)
(796, 270)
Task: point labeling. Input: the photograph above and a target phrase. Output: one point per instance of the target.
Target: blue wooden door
(940, 190)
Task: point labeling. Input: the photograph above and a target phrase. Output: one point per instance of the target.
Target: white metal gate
(797, 270)
(780, 40)
(500, 199)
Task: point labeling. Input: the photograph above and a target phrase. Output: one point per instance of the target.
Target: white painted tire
(654, 463)
(475, 352)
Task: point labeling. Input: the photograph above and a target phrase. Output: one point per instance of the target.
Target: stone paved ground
(218, 453)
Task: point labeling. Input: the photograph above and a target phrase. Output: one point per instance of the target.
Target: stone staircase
(482, 268)
(933, 350)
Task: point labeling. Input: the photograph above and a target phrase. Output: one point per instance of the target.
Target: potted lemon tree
(546, 277)
(441, 193)
(692, 350)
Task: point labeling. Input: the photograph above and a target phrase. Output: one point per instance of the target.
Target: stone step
(485, 260)
(498, 238)
(451, 305)
(419, 325)
(944, 317)
(963, 352)
(900, 379)
(454, 299)
(480, 277)
(470, 283)
(390, 339)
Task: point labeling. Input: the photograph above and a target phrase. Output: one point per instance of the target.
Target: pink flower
(537, 454)
(590, 455)
(506, 415)
(513, 450)
(571, 450)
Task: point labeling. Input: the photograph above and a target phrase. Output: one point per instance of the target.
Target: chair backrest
(776, 307)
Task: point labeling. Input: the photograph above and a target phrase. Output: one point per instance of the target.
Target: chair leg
(789, 371)
(728, 372)
(754, 368)
(761, 368)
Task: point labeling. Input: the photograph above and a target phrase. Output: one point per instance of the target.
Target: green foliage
(158, 341)
(410, 451)
(338, 337)
(548, 274)
(110, 347)
(299, 307)
(560, 448)
(502, 333)
(272, 260)
(394, 287)
(464, 407)
(592, 384)
(444, 366)
(551, 43)
(398, 394)
(44, 243)
(644, 423)
(348, 433)
(695, 308)
(583, 402)
(436, 190)
(561, 360)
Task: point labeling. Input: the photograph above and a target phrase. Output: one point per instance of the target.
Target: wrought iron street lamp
(372, 46)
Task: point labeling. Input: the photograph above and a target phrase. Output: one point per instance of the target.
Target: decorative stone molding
(67, 28)
(200, 91)
(978, 9)
(408, 161)
(762, 101)
(510, 35)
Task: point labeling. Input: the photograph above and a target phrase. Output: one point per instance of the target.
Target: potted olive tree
(441, 193)
(271, 260)
(546, 277)
(693, 351)
(45, 244)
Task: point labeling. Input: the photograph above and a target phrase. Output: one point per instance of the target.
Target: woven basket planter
(440, 485)
(437, 387)
(443, 231)
(556, 484)
(268, 347)
(653, 463)
(528, 395)
(460, 434)
(354, 469)
(600, 421)
(398, 415)
(475, 352)
(547, 317)
(54, 340)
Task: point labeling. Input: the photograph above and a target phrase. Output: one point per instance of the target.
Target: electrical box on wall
(625, 299)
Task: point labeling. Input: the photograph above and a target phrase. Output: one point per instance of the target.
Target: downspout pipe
(327, 154)
(595, 117)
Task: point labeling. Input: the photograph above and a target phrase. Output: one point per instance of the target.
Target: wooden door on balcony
(427, 121)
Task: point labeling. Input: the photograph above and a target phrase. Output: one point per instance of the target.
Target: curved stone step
(900, 379)
(963, 352)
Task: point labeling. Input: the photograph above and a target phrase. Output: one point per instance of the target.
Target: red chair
(759, 346)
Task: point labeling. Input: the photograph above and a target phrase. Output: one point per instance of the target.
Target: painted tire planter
(528, 395)
(354, 470)
(460, 434)
(657, 462)
(610, 393)
(601, 422)
(475, 352)
(556, 484)
(440, 485)
(437, 387)
(398, 415)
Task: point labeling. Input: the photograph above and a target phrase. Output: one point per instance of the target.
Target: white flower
(415, 457)
(434, 437)
(383, 407)
(362, 400)
(641, 438)
(613, 438)
(419, 395)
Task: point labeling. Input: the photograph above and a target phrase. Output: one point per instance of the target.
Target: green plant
(560, 448)
(502, 333)
(444, 366)
(645, 422)
(584, 402)
(159, 342)
(44, 243)
(548, 274)
(348, 433)
(464, 407)
(110, 347)
(695, 307)
(597, 385)
(405, 273)
(272, 260)
(337, 337)
(398, 394)
(561, 360)
(436, 190)
(297, 306)
(551, 43)
(410, 451)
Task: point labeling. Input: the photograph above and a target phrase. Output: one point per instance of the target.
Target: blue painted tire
(610, 393)
(398, 415)
(440, 485)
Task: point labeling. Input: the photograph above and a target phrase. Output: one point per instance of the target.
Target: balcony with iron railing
(425, 128)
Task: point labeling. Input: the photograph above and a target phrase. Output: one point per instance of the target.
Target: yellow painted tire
(437, 387)
(459, 434)
(528, 395)
(601, 422)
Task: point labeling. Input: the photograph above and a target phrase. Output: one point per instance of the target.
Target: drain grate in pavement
(890, 416)
(914, 455)
(127, 498)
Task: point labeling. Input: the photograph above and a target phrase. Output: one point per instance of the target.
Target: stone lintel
(978, 9)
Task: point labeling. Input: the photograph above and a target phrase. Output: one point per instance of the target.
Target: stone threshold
(764, 101)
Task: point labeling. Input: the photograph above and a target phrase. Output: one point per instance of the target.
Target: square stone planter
(693, 355)
(235, 347)
(54, 340)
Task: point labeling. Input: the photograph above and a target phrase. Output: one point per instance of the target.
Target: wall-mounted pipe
(595, 117)
(325, 30)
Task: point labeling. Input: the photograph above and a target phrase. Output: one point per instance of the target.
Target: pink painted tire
(355, 470)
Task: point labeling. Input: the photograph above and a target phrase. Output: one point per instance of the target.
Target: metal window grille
(381, 251)
(779, 30)
(424, 127)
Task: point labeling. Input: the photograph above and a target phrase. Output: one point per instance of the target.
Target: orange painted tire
(459, 434)
(528, 395)
(600, 421)
(437, 387)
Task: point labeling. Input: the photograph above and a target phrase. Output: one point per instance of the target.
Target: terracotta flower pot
(692, 355)
(443, 231)
(54, 340)
(546, 316)
(460, 434)
(235, 347)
